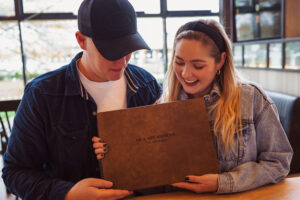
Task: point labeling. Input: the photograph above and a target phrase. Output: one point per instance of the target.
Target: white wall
(281, 81)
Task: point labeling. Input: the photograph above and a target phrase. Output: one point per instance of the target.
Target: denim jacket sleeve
(271, 162)
(23, 171)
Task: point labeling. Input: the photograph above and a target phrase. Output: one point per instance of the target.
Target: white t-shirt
(110, 95)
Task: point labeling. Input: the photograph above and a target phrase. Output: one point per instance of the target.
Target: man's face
(99, 69)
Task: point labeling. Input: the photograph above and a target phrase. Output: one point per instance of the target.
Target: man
(50, 153)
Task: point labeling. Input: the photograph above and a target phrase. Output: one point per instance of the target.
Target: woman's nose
(186, 72)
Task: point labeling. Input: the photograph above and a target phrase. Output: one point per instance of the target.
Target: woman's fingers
(100, 156)
(199, 184)
(188, 186)
(96, 139)
(99, 145)
(100, 150)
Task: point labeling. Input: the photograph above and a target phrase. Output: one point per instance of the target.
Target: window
(11, 77)
(149, 7)
(255, 55)
(275, 57)
(243, 3)
(42, 6)
(257, 19)
(7, 8)
(238, 55)
(212, 5)
(152, 60)
(270, 24)
(245, 26)
(292, 51)
(48, 45)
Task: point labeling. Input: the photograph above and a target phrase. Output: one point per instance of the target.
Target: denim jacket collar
(215, 93)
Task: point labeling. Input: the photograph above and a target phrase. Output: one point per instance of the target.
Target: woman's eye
(198, 67)
(179, 63)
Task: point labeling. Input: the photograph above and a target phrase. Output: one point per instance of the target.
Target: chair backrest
(284, 104)
(289, 113)
(6, 117)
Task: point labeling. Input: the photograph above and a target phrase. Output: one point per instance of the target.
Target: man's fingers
(114, 194)
(99, 183)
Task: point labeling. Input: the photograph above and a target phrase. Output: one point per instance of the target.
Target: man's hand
(93, 189)
(200, 184)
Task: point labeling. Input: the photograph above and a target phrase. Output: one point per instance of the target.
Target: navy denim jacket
(263, 153)
(50, 147)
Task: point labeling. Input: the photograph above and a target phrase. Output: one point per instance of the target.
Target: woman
(252, 147)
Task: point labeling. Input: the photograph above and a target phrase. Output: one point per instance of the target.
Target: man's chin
(115, 78)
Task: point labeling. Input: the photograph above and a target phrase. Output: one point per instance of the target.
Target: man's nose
(121, 61)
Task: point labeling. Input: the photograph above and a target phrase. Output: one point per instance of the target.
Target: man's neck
(82, 65)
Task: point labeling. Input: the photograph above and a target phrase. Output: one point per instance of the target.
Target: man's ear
(81, 40)
(222, 61)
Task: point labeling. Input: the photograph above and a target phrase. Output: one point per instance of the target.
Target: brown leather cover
(157, 145)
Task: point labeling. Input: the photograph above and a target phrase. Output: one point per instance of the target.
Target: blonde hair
(226, 111)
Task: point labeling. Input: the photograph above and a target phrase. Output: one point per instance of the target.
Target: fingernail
(186, 178)
(100, 140)
(105, 145)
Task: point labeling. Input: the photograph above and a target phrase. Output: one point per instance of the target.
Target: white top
(110, 95)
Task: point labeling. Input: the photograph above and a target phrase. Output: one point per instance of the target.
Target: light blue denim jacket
(263, 154)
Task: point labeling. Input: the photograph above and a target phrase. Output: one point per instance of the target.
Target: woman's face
(194, 67)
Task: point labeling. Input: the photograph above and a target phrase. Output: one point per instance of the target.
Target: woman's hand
(200, 184)
(100, 147)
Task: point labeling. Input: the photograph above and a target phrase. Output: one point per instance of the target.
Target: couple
(51, 151)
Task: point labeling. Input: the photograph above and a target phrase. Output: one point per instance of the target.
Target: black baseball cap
(112, 26)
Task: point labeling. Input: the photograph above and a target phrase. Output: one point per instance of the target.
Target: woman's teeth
(190, 81)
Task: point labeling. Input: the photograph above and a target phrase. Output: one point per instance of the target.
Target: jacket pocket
(72, 143)
(72, 132)
(236, 153)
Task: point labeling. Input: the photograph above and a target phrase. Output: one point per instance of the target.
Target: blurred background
(38, 36)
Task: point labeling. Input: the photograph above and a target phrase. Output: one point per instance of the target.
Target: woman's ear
(81, 40)
(222, 61)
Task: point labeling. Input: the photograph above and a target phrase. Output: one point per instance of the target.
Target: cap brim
(120, 47)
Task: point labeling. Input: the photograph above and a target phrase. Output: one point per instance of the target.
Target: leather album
(157, 145)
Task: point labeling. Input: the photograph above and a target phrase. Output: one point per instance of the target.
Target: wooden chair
(6, 116)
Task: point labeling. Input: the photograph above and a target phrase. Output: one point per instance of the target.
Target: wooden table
(287, 189)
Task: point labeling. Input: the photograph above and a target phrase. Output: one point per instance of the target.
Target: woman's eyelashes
(198, 66)
(194, 65)
(179, 63)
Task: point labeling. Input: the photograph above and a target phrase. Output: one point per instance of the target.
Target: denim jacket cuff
(225, 182)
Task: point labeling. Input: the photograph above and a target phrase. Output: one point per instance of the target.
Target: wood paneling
(292, 16)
